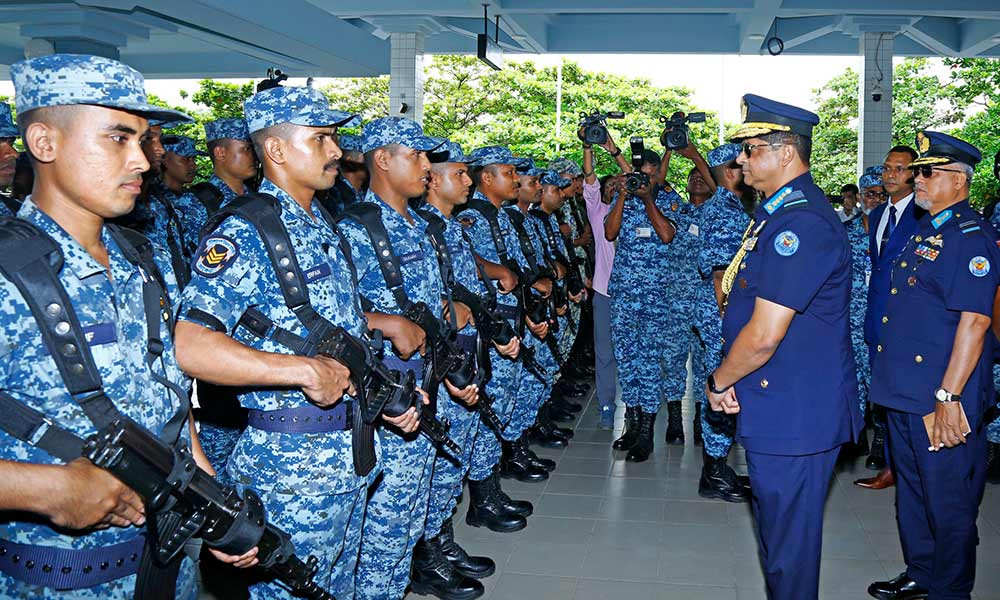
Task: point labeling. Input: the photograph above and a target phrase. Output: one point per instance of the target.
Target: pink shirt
(604, 251)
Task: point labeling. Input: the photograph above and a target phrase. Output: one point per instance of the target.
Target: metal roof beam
(755, 25)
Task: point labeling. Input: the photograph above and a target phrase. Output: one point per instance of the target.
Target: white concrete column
(406, 76)
(875, 116)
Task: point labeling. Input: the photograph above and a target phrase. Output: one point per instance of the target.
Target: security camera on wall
(877, 92)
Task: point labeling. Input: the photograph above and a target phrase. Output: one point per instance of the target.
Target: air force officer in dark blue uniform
(787, 331)
(933, 359)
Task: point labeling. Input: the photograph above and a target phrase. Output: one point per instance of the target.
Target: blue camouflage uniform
(532, 393)
(8, 131)
(683, 292)
(190, 213)
(638, 316)
(556, 249)
(721, 226)
(397, 506)
(116, 332)
(861, 270)
(799, 407)
(507, 374)
(949, 267)
(446, 480)
(306, 480)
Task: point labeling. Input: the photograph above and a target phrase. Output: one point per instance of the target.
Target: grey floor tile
(580, 485)
(849, 576)
(517, 586)
(847, 543)
(624, 534)
(689, 569)
(557, 530)
(571, 465)
(568, 505)
(632, 487)
(670, 591)
(632, 509)
(625, 564)
(706, 541)
(540, 558)
(602, 589)
(696, 513)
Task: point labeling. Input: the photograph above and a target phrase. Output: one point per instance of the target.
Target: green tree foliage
(466, 101)
(976, 85)
(920, 101)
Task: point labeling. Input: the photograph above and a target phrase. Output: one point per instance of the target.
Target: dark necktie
(888, 230)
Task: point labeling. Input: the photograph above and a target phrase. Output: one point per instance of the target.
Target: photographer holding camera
(598, 206)
(638, 221)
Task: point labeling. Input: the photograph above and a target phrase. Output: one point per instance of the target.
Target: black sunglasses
(749, 148)
(927, 171)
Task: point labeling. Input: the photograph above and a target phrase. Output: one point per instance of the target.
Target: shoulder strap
(12, 205)
(263, 212)
(550, 240)
(435, 231)
(178, 259)
(489, 212)
(31, 260)
(517, 219)
(369, 216)
(209, 195)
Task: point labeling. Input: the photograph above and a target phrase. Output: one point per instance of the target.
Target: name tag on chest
(100, 334)
(643, 232)
(410, 257)
(316, 273)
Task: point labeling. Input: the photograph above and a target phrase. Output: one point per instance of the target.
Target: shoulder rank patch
(969, 226)
(783, 195)
(218, 253)
(979, 266)
(941, 219)
(786, 243)
(466, 221)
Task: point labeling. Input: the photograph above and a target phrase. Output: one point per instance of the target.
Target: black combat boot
(434, 575)
(521, 508)
(631, 429)
(675, 424)
(720, 482)
(476, 567)
(993, 462)
(536, 461)
(698, 439)
(643, 446)
(485, 509)
(876, 458)
(514, 464)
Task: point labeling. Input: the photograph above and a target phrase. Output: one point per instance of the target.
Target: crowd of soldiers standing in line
(452, 230)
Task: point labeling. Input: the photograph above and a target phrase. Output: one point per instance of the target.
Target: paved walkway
(607, 529)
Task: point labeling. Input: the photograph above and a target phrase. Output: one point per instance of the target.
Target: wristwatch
(713, 389)
(616, 153)
(944, 396)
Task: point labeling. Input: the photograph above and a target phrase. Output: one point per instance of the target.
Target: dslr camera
(595, 125)
(274, 79)
(676, 133)
(636, 179)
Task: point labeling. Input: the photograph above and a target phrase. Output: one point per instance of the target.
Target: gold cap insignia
(923, 142)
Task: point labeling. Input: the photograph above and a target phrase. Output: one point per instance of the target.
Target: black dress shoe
(434, 575)
(899, 588)
(476, 567)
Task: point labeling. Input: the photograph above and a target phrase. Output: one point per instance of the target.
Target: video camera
(274, 79)
(676, 133)
(636, 179)
(595, 125)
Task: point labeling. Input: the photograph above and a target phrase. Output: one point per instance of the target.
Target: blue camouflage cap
(553, 178)
(69, 79)
(723, 155)
(872, 177)
(449, 151)
(938, 148)
(296, 105)
(561, 164)
(529, 168)
(395, 130)
(496, 155)
(182, 146)
(233, 128)
(349, 143)
(762, 116)
(7, 127)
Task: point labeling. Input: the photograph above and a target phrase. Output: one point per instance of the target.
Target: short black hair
(476, 174)
(211, 146)
(849, 187)
(904, 149)
(801, 143)
(651, 157)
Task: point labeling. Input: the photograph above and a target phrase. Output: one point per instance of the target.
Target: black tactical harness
(31, 260)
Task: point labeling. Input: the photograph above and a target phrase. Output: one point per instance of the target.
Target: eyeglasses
(927, 171)
(873, 193)
(749, 148)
